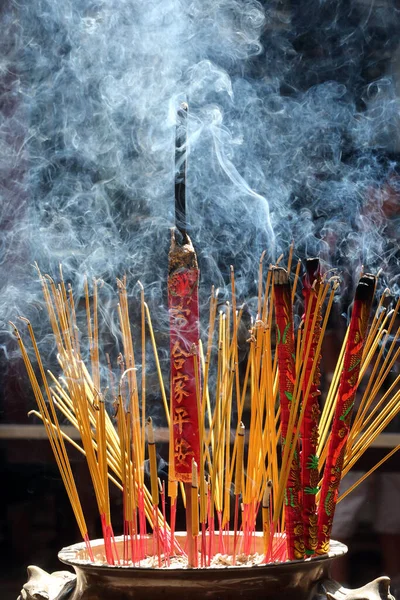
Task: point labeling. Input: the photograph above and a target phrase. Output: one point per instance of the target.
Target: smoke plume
(293, 134)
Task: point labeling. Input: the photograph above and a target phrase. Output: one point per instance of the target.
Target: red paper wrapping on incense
(287, 379)
(183, 282)
(309, 426)
(344, 409)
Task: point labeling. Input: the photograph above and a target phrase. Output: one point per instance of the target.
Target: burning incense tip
(181, 255)
(280, 276)
(267, 494)
(312, 266)
(366, 287)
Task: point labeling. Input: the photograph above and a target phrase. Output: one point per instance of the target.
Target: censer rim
(68, 553)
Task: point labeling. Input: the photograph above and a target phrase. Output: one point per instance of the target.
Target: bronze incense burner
(294, 580)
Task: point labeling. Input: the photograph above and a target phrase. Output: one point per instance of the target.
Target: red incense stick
(287, 378)
(344, 408)
(309, 426)
(183, 303)
(183, 282)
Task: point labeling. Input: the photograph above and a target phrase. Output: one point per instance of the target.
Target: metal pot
(294, 580)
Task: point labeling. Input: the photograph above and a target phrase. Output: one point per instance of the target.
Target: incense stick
(115, 453)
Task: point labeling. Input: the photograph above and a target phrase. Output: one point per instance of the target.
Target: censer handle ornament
(47, 586)
(60, 585)
(378, 589)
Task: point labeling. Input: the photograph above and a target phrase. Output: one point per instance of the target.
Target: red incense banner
(287, 379)
(309, 426)
(344, 410)
(183, 281)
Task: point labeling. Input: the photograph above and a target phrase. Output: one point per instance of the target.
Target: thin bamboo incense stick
(368, 473)
(195, 510)
(266, 516)
(154, 483)
(238, 483)
(117, 455)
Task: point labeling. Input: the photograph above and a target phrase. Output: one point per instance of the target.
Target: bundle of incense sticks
(259, 437)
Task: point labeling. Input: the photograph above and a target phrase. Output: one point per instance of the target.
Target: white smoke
(286, 135)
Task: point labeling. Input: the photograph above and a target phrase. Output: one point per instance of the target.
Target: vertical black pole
(180, 169)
